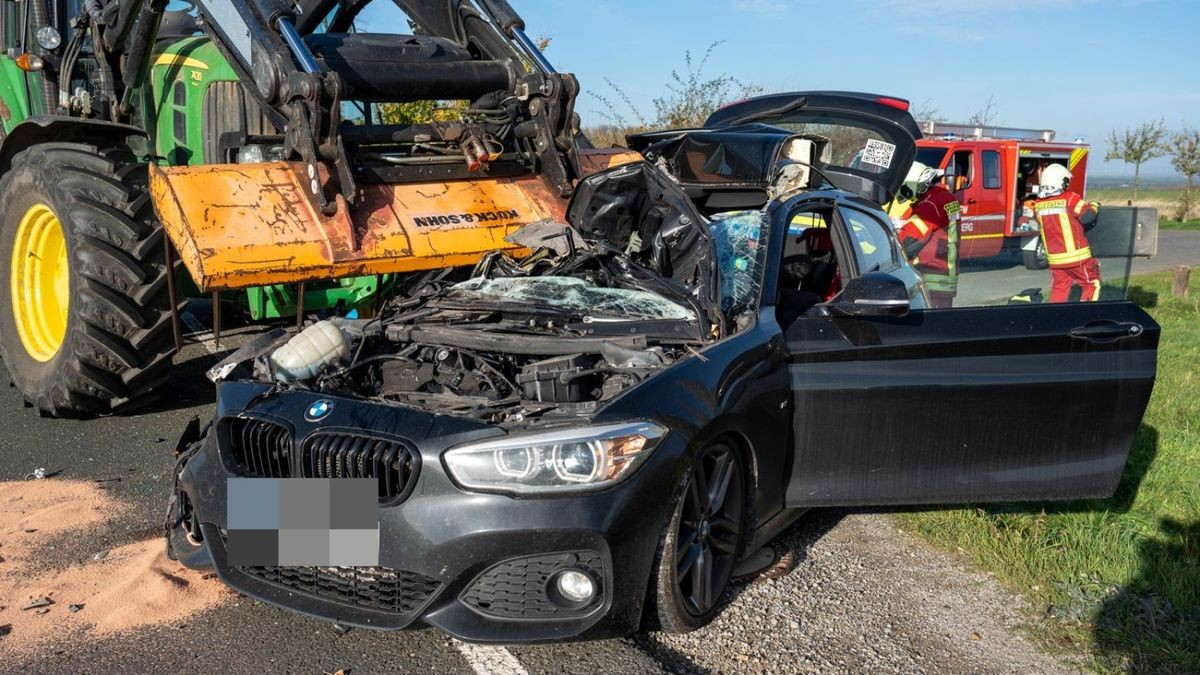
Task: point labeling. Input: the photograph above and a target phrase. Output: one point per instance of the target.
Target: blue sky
(1080, 67)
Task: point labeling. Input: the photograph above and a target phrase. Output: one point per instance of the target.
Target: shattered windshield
(572, 295)
(740, 258)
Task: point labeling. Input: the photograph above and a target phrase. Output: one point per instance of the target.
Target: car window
(871, 241)
(740, 259)
(846, 144)
(991, 170)
(964, 170)
(931, 156)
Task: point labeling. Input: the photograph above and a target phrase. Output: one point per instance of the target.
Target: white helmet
(918, 180)
(1054, 179)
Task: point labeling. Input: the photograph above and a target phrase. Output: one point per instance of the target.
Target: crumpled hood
(640, 210)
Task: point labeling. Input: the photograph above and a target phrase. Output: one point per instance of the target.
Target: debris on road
(127, 587)
(39, 602)
(37, 474)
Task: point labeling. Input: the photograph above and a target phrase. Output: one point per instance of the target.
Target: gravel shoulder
(863, 597)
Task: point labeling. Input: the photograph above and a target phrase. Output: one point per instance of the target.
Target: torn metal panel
(640, 210)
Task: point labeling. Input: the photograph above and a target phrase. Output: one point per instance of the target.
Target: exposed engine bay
(580, 313)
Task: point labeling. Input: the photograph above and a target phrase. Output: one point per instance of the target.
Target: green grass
(1117, 580)
(1166, 200)
(1190, 224)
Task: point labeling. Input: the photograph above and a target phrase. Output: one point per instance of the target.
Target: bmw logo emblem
(319, 410)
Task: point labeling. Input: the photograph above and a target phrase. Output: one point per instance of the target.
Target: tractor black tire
(115, 355)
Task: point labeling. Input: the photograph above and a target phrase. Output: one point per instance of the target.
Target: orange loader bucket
(242, 225)
(237, 226)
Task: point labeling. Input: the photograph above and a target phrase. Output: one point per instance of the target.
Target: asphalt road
(994, 280)
(863, 596)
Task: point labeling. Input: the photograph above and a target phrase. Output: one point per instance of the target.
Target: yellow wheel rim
(40, 283)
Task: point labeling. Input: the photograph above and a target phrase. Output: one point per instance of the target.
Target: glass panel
(964, 170)
(1017, 270)
(849, 146)
(572, 295)
(12, 24)
(991, 169)
(871, 241)
(740, 259)
(931, 156)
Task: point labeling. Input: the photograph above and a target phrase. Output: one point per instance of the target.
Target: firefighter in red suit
(926, 215)
(1064, 218)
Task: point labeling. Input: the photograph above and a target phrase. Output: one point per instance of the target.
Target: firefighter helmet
(1055, 178)
(918, 180)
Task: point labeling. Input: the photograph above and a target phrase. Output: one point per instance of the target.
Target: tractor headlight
(569, 460)
(48, 38)
(258, 153)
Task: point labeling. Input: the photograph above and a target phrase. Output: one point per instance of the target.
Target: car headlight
(568, 460)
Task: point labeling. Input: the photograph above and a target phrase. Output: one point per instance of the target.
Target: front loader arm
(370, 198)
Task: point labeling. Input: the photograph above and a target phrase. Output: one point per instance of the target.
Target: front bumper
(477, 566)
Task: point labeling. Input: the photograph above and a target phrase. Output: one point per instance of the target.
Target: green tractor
(129, 129)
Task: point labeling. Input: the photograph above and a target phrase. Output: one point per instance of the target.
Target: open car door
(871, 139)
(967, 405)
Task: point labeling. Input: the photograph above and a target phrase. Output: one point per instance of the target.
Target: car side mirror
(873, 294)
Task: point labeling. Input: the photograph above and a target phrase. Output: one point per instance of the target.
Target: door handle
(1106, 331)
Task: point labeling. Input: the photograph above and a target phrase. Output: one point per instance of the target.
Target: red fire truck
(993, 171)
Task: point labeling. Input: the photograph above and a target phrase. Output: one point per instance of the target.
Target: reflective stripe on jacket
(934, 220)
(1062, 232)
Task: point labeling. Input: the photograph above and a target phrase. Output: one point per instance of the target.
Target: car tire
(108, 344)
(700, 542)
(1036, 259)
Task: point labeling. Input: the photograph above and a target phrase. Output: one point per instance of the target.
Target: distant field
(1166, 200)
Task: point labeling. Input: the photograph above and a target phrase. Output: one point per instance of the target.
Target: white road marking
(488, 660)
(199, 332)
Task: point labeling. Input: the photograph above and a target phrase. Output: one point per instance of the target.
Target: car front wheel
(700, 543)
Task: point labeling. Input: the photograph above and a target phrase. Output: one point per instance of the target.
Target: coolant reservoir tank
(303, 356)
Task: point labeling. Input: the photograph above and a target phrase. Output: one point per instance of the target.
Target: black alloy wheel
(701, 542)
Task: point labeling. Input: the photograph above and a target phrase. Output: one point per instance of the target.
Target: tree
(985, 116)
(926, 111)
(1137, 146)
(690, 99)
(1185, 157)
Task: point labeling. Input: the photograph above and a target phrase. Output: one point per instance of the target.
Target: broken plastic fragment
(43, 601)
(37, 474)
(549, 233)
(259, 346)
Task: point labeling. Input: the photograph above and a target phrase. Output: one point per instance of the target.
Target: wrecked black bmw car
(584, 440)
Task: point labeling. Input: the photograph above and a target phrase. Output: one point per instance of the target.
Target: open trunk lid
(871, 138)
